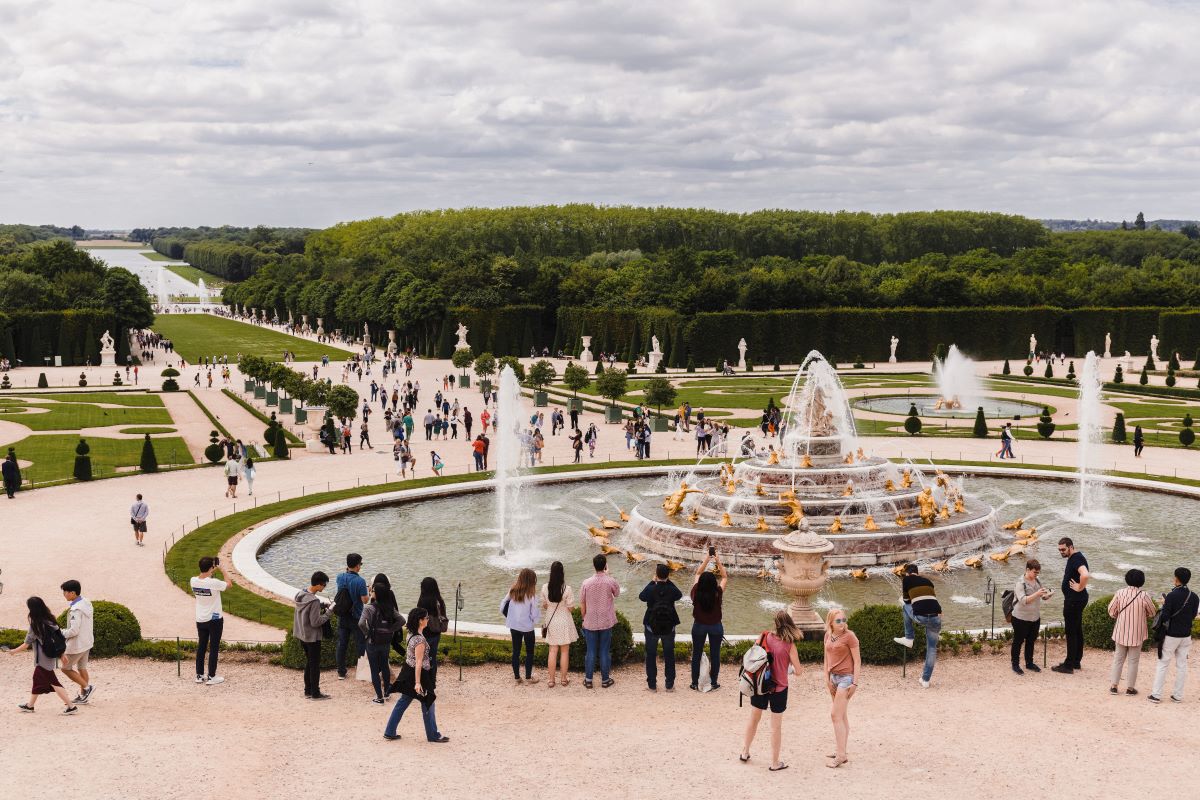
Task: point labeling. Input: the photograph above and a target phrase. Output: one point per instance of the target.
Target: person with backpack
(659, 621)
(348, 602)
(379, 623)
(308, 627)
(559, 630)
(1173, 632)
(520, 610)
(1022, 605)
(1130, 608)
(776, 652)
(843, 663)
(48, 644)
(80, 636)
(707, 592)
(209, 622)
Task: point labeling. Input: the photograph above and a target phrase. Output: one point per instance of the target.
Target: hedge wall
(1179, 330)
(504, 331)
(73, 334)
(625, 332)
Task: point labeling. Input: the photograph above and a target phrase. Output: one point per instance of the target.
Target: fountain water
(1091, 500)
(817, 410)
(956, 380)
(203, 292)
(507, 460)
(163, 299)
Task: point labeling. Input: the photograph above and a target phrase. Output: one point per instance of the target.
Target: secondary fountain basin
(993, 407)
(452, 537)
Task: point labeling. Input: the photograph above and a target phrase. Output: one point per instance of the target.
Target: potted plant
(658, 393)
(169, 385)
(575, 378)
(612, 384)
(463, 359)
(485, 368)
(316, 397)
(541, 375)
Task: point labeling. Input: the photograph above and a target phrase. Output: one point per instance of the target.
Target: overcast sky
(310, 112)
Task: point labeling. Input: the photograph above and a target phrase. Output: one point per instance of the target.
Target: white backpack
(754, 678)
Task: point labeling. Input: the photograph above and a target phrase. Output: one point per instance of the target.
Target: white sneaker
(214, 680)
(199, 679)
(900, 640)
(924, 683)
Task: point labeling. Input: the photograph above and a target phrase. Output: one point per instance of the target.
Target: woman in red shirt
(781, 644)
(843, 663)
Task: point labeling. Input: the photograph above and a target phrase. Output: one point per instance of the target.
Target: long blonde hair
(525, 586)
(785, 627)
(833, 612)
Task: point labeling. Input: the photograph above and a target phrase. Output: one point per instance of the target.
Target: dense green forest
(228, 252)
(56, 300)
(12, 235)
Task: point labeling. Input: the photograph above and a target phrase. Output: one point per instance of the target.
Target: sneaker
(28, 709)
(391, 737)
(378, 701)
(1175, 699)
(902, 641)
(214, 680)
(199, 679)
(1033, 668)
(87, 693)
(342, 677)
(586, 684)
(924, 683)
(319, 697)
(607, 683)
(68, 711)
(1017, 670)
(1063, 669)
(1151, 698)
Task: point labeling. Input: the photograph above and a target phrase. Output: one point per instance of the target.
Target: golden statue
(675, 566)
(731, 486)
(889, 486)
(944, 513)
(726, 472)
(976, 562)
(940, 566)
(624, 516)
(674, 501)
(849, 490)
(633, 557)
(900, 523)
(773, 456)
(794, 519)
(958, 505)
(609, 550)
(836, 527)
(927, 505)
(1014, 525)
(869, 523)
(726, 522)
(861, 456)
(787, 494)
(761, 525)
(906, 479)
(859, 574)
(849, 458)
(758, 489)
(806, 462)
(695, 515)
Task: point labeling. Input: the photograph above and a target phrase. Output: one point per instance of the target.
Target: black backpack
(342, 602)
(662, 614)
(53, 643)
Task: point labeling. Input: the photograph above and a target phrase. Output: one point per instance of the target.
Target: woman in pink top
(843, 663)
(781, 644)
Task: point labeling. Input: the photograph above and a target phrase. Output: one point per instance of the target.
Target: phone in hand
(216, 561)
(712, 551)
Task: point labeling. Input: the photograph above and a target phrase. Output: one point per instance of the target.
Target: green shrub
(292, 656)
(170, 385)
(42, 382)
(149, 461)
(1028, 369)
(1097, 624)
(876, 626)
(913, 423)
(1149, 366)
(1144, 379)
(11, 638)
(1170, 377)
(1049, 369)
(1187, 436)
(776, 366)
(858, 362)
(622, 642)
(981, 429)
(117, 379)
(1071, 371)
(214, 452)
(1119, 377)
(661, 369)
(1173, 364)
(691, 365)
(1118, 431)
(114, 625)
(83, 461)
(1045, 424)
(1007, 369)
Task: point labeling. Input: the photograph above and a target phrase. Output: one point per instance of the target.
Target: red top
(781, 659)
(711, 617)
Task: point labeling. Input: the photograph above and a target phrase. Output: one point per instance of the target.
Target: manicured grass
(141, 431)
(53, 455)
(111, 398)
(190, 273)
(197, 335)
(154, 256)
(76, 415)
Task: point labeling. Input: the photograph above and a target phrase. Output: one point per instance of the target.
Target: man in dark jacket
(659, 621)
(1178, 610)
(12, 475)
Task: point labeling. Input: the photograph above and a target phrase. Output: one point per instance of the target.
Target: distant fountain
(957, 384)
(203, 292)
(816, 411)
(1091, 500)
(507, 461)
(163, 299)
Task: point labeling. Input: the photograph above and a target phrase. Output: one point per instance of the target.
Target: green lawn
(197, 335)
(138, 399)
(154, 256)
(53, 455)
(190, 273)
(76, 415)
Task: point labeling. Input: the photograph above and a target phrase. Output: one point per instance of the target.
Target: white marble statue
(1032, 345)
(1128, 361)
(742, 354)
(1108, 345)
(654, 345)
(892, 355)
(392, 347)
(461, 344)
(1154, 348)
(654, 357)
(108, 353)
(586, 356)
(320, 326)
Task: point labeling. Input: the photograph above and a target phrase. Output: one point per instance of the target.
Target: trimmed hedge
(1097, 624)
(73, 334)
(876, 626)
(293, 653)
(114, 625)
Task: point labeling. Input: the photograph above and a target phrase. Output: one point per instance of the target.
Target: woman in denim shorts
(843, 665)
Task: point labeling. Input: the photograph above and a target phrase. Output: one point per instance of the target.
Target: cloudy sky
(309, 112)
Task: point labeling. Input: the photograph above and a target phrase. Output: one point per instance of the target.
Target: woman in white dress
(559, 630)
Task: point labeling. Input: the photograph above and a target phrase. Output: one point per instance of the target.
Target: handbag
(504, 608)
(546, 627)
(1160, 625)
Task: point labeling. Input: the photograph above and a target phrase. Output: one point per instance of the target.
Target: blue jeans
(597, 642)
(714, 634)
(346, 627)
(428, 716)
(668, 646)
(381, 673)
(933, 632)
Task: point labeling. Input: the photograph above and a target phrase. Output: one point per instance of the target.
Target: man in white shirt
(80, 637)
(138, 514)
(209, 622)
(232, 470)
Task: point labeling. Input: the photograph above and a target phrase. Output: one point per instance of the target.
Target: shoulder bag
(546, 627)
(1160, 624)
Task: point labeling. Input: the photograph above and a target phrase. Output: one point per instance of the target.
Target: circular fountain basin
(449, 535)
(993, 407)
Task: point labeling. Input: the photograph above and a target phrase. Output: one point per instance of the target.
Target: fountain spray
(1090, 434)
(508, 450)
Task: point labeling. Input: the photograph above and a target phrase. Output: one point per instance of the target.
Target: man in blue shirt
(350, 610)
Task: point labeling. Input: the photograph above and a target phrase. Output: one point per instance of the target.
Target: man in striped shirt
(921, 607)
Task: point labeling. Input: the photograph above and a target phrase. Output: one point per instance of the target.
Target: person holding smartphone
(209, 622)
(708, 589)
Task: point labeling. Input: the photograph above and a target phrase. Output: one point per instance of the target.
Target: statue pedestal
(803, 574)
(653, 358)
(741, 367)
(108, 357)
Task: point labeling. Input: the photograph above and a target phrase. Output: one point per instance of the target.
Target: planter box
(540, 399)
(285, 405)
(260, 392)
(464, 380)
(659, 424)
(247, 386)
(301, 413)
(272, 398)
(612, 414)
(574, 404)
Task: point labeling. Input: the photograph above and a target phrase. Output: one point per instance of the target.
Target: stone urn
(803, 574)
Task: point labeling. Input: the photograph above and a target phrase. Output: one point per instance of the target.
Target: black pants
(517, 638)
(1073, 621)
(209, 636)
(312, 668)
(1137, 448)
(1025, 634)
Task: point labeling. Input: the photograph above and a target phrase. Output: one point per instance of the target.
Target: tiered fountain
(814, 480)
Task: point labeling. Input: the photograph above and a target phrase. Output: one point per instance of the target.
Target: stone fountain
(803, 573)
(814, 478)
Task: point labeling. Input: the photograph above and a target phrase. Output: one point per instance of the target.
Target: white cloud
(141, 112)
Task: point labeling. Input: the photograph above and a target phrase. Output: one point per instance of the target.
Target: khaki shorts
(76, 661)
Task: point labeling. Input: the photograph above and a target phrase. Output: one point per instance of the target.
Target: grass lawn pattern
(153, 256)
(190, 273)
(142, 431)
(53, 455)
(73, 416)
(198, 335)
